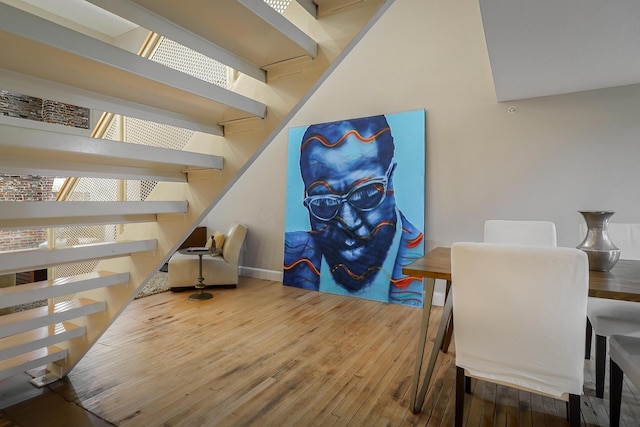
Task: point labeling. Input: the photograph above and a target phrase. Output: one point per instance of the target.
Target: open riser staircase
(292, 53)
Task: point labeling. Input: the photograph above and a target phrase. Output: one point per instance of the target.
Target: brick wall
(43, 110)
(24, 188)
(65, 114)
(21, 106)
(33, 188)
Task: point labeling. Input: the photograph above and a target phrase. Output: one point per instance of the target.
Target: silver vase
(600, 250)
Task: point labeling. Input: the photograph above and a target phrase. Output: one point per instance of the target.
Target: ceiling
(549, 47)
(536, 47)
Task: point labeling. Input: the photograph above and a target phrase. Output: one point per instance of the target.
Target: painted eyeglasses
(364, 197)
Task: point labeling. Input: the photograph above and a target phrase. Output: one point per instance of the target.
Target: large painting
(355, 207)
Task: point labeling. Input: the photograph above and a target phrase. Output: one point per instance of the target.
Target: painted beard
(355, 262)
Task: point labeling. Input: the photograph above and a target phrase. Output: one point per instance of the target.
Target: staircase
(277, 60)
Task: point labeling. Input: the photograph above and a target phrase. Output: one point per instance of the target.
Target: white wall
(552, 157)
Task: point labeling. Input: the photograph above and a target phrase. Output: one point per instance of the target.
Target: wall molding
(261, 273)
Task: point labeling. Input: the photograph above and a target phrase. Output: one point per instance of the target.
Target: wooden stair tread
(32, 259)
(37, 291)
(44, 143)
(33, 359)
(137, 86)
(37, 334)
(22, 321)
(44, 311)
(35, 214)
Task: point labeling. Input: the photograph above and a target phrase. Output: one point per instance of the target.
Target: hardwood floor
(268, 355)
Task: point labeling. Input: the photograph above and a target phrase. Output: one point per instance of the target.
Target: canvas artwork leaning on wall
(355, 207)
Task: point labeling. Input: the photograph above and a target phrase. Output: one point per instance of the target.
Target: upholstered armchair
(520, 313)
(219, 271)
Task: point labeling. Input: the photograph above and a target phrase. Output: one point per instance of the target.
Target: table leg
(427, 299)
(417, 400)
(449, 332)
(200, 286)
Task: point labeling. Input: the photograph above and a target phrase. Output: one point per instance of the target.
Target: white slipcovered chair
(519, 316)
(607, 317)
(529, 233)
(221, 270)
(508, 232)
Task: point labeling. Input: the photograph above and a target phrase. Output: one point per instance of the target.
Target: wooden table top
(622, 282)
(435, 264)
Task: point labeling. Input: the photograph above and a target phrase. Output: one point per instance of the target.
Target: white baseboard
(438, 292)
(438, 298)
(260, 273)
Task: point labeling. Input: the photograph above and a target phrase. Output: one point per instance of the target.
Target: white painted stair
(34, 339)
(30, 147)
(59, 334)
(31, 360)
(52, 288)
(27, 337)
(22, 321)
(247, 35)
(33, 259)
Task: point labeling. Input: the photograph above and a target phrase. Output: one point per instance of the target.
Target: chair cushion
(608, 317)
(625, 351)
(219, 238)
(216, 240)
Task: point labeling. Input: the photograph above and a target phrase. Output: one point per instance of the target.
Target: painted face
(349, 195)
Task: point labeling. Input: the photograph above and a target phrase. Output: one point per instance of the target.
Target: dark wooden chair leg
(467, 384)
(574, 410)
(587, 342)
(601, 358)
(460, 380)
(615, 393)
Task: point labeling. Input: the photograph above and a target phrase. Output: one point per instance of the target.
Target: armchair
(220, 271)
(519, 315)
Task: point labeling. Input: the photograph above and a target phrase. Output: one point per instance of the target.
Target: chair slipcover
(216, 270)
(607, 316)
(530, 233)
(520, 313)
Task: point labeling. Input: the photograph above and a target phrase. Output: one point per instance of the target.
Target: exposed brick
(65, 114)
(24, 188)
(33, 188)
(21, 106)
(43, 110)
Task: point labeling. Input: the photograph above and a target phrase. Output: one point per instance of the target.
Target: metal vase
(600, 250)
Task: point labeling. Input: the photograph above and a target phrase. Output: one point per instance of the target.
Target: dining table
(622, 282)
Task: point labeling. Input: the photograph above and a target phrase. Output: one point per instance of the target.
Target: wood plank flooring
(268, 355)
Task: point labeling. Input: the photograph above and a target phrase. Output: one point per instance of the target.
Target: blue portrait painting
(355, 207)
